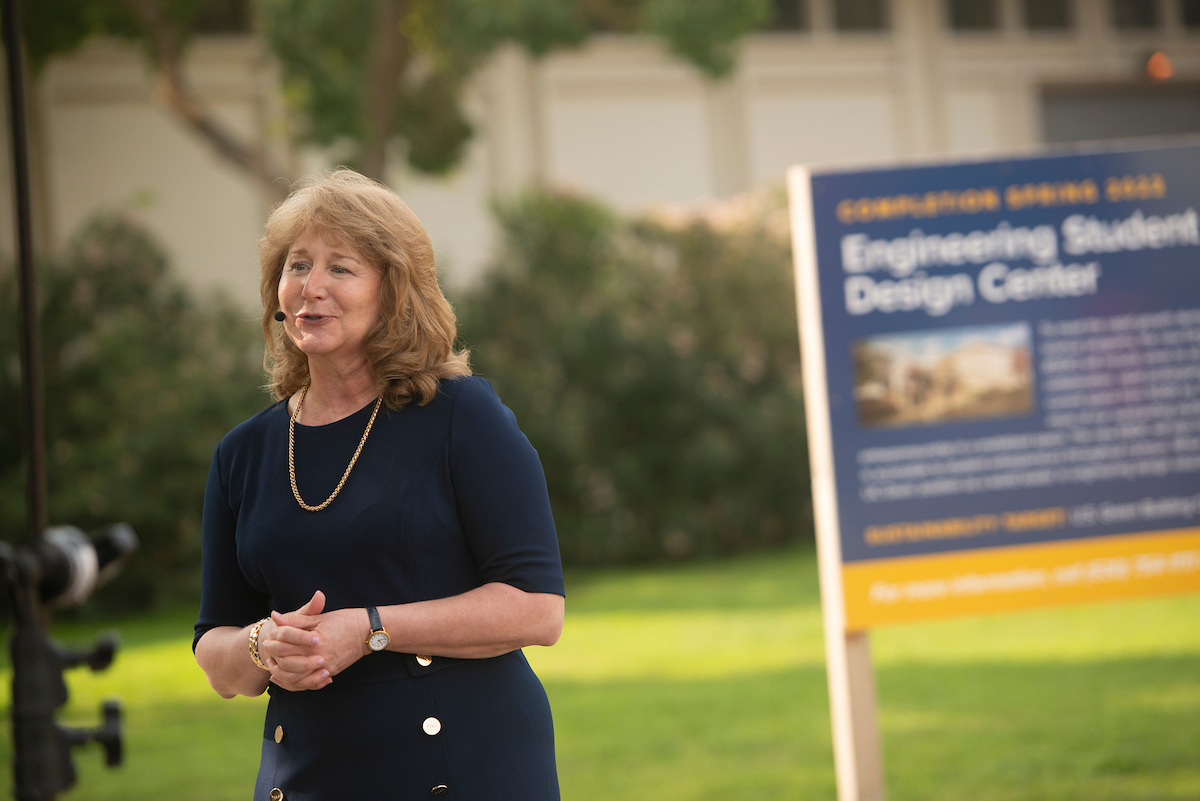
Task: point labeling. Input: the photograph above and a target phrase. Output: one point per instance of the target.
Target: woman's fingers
(300, 663)
(302, 681)
(296, 649)
(290, 647)
(296, 620)
(306, 617)
(296, 682)
(299, 672)
(315, 605)
(299, 648)
(294, 636)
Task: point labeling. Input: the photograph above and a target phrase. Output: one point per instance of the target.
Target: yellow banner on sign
(884, 591)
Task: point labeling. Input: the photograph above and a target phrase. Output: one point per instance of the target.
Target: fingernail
(315, 640)
(320, 661)
(326, 675)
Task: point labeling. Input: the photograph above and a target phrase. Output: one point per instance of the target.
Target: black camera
(58, 569)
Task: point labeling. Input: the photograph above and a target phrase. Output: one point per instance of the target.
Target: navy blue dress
(444, 498)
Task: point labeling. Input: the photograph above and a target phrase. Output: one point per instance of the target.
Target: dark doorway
(1079, 114)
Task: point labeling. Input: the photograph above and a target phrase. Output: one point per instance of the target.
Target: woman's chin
(311, 344)
(316, 348)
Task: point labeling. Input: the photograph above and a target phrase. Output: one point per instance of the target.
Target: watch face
(378, 640)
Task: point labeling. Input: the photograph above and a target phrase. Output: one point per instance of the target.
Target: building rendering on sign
(830, 81)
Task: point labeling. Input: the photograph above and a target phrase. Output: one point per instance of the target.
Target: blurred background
(191, 120)
(602, 180)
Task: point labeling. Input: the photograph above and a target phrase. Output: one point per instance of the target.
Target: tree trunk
(388, 59)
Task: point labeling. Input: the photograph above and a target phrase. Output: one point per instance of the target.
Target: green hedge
(142, 380)
(654, 364)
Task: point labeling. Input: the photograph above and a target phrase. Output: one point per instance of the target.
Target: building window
(860, 15)
(973, 15)
(1191, 13)
(1135, 13)
(1048, 15)
(788, 15)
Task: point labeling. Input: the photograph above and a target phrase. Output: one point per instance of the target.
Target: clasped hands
(306, 648)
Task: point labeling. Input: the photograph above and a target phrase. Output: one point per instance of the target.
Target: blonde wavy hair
(411, 348)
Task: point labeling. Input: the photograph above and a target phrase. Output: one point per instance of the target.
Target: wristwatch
(379, 639)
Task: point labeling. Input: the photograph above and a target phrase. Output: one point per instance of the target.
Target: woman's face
(330, 294)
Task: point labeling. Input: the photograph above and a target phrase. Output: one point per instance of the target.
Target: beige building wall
(106, 144)
(618, 119)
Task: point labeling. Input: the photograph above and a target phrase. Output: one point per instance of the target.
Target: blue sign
(1012, 349)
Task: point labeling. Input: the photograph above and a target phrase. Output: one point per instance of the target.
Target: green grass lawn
(708, 682)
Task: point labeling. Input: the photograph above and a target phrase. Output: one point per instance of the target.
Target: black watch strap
(373, 616)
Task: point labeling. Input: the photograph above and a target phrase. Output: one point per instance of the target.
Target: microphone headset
(280, 316)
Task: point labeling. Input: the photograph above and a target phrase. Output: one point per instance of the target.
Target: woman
(390, 502)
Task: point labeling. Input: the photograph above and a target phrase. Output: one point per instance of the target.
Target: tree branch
(174, 91)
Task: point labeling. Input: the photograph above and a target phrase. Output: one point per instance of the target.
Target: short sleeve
(226, 597)
(500, 490)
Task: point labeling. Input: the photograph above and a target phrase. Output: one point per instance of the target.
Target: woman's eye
(338, 270)
(297, 266)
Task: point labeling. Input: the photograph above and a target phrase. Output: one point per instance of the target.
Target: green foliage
(705, 32)
(432, 125)
(320, 47)
(325, 49)
(54, 27)
(141, 381)
(538, 25)
(326, 67)
(654, 366)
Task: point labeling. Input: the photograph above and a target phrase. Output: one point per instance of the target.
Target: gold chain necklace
(292, 454)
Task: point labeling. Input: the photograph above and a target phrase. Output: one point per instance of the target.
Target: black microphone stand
(45, 569)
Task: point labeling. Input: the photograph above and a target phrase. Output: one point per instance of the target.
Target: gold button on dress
(279, 734)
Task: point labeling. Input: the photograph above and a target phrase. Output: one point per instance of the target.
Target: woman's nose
(314, 283)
